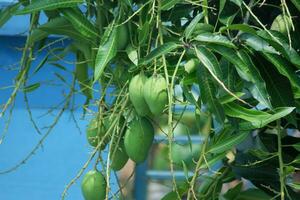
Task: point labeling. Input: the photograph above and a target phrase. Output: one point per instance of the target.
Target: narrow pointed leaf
(159, 51)
(48, 5)
(257, 118)
(7, 13)
(80, 22)
(208, 94)
(215, 39)
(228, 143)
(190, 28)
(105, 53)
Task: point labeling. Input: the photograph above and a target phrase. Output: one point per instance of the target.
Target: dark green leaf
(48, 5)
(32, 87)
(240, 27)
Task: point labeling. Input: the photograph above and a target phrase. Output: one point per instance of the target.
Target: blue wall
(64, 152)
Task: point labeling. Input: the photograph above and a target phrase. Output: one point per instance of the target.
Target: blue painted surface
(64, 152)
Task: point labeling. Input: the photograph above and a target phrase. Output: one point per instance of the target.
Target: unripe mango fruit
(95, 132)
(155, 94)
(120, 157)
(136, 94)
(93, 186)
(138, 139)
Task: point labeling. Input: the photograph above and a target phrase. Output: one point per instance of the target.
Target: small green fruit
(155, 94)
(282, 23)
(93, 186)
(120, 157)
(138, 139)
(190, 65)
(136, 94)
(96, 131)
(122, 37)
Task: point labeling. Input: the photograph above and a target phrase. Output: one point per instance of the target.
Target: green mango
(136, 94)
(155, 94)
(93, 186)
(94, 133)
(282, 23)
(122, 37)
(190, 65)
(138, 139)
(120, 157)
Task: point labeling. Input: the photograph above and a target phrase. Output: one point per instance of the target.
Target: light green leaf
(7, 13)
(228, 143)
(190, 28)
(105, 53)
(240, 27)
(296, 146)
(209, 60)
(31, 87)
(80, 22)
(61, 26)
(215, 39)
(253, 194)
(159, 51)
(48, 5)
(257, 43)
(132, 54)
(257, 118)
(208, 94)
(213, 160)
(168, 4)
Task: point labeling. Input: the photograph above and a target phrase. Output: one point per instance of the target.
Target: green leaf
(191, 27)
(168, 4)
(228, 143)
(258, 89)
(132, 54)
(7, 13)
(48, 5)
(253, 194)
(295, 186)
(258, 119)
(61, 26)
(296, 3)
(229, 98)
(257, 43)
(213, 160)
(81, 74)
(159, 51)
(280, 43)
(284, 68)
(279, 89)
(41, 64)
(208, 94)
(31, 87)
(234, 192)
(240, 27)
(246, 70)
(105, 53)
(209, 60)
(296, 146)
(215, 39)
(37, 35)
(80, 22)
